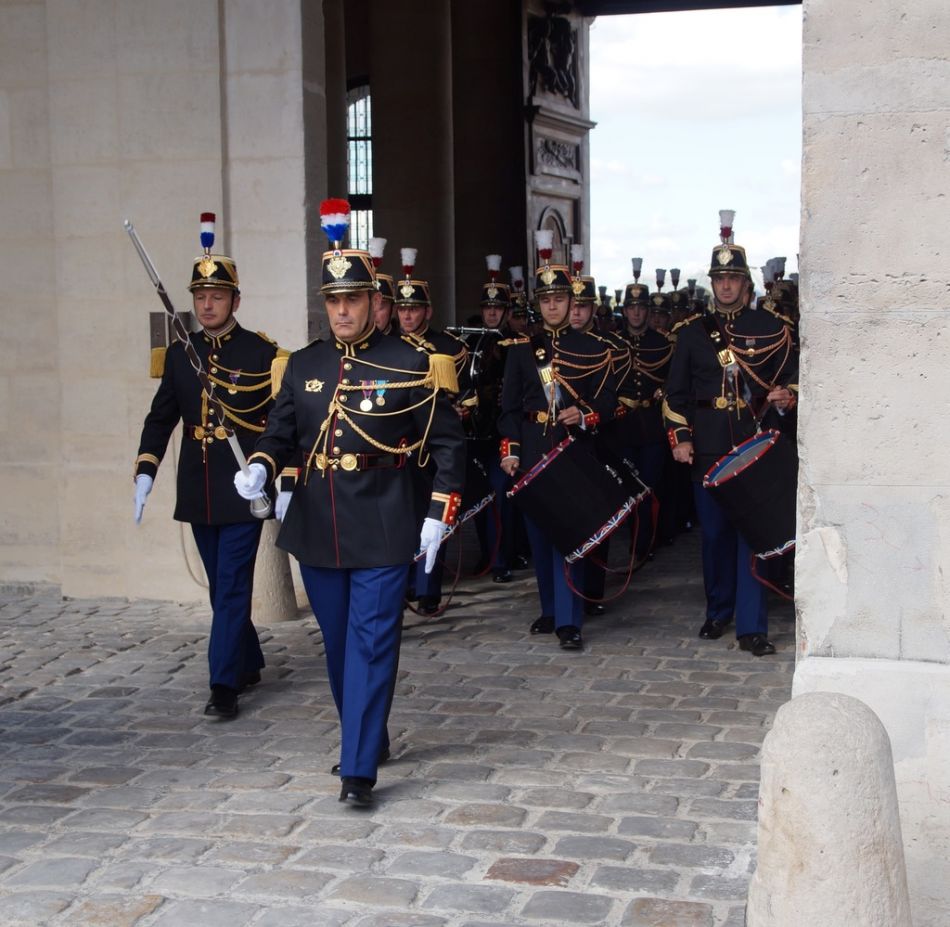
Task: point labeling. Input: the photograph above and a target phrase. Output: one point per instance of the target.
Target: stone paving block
(111, 911)
(464, 771)
(691, 856)
(718, 886)
(286, 916)
(670, 768)
(576, 822)
(503, 841)
(640, 803)
(376, 890)
(216, 913)
(105, 775)
(469, 899)
(728, 752)
(687, 788)
(680, 731)
(396, 919)
(54, 873)
(284, 884)
(660, 828)
(79, 843)
(645, 746)
(31, 909)
(723, 808)
(424, 864)
(568, 908)
(415, 835)
(195, 881)
(343, 857)
(554, 798)
(584, 848)
(122, 875)
(469, 791)
(47, 793)
(172, 849)
(658, 912)
(33, 815)
(534, 871)
(486, 815)
(634, 879)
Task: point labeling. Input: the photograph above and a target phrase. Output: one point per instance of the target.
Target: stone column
(413, 176)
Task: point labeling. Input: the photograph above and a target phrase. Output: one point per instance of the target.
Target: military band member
(414, 313)
(383, 316)
(557, 382)
(638, 431)
(364, 410)
(726, 363)
(238, 363)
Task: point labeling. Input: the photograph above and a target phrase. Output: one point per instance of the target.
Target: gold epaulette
(442, 373)
(771, 310)
(508, 342)
(277, 367)
(684, 322)
(266, 337)
(156, 363)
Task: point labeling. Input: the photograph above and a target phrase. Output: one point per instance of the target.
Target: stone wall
(156, 112)
(871, 574)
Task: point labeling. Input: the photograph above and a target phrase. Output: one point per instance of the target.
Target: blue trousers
(228, 553)
(557, 600)
(727, 575)
(360, 614)
(649, 460)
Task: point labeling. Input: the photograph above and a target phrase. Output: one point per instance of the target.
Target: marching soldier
(414, 311)
(726, 364)
(556, 382)
(238, 364)
(364, 410)
(383, 316)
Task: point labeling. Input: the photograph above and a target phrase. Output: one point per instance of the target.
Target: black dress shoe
(712, 630)
(357, 791)
(594, 609)
(501, 576)
(428, 604)
(383, 757)
(543, 625)
(223, 702)
(758, 644)
(570, 637)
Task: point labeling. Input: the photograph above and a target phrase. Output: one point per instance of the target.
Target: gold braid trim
(672, 416)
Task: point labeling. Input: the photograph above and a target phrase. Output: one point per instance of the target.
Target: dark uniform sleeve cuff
(679, 435)
(509, 448)
(445, 507)
(147, 464)
(268, 461)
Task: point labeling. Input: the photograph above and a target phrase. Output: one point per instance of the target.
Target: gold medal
(380, 401)
(366, 405)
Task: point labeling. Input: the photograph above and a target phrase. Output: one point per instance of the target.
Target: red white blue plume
(335, 220)
(408, 257)
(517, 277)
(376, 247)
(207, 231)
(493, 263)
(544, 242)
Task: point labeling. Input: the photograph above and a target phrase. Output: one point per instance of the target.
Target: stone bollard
(829, 840)
(274, 596)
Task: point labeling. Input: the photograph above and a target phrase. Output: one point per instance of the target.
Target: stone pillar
(829, 840)
(413, 176)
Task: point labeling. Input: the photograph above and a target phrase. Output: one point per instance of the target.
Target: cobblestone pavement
(529, 787)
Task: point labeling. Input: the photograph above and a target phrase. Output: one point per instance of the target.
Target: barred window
(359, 164)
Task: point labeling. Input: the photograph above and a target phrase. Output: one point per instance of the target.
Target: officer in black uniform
(414, 311)
(556, 383)
(238, 363)
(638, 428)
(364, 410)
(727, 363)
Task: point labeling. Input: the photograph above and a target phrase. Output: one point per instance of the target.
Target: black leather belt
(357, 461)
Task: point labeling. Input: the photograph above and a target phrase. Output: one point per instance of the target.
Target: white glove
(280, 506)
(143, 486)
(250, 486)
(433, 531)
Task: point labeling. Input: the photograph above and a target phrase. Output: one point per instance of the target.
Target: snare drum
(576, 500)
(756, 485)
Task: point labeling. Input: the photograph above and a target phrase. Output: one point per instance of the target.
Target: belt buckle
(542, 418)
(320, 461)
(198, 432)
(721, 402)
(726, 357)
(348, 462)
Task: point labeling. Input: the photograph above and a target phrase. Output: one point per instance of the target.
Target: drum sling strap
(727, 358)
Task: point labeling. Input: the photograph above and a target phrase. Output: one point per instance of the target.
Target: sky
(695, 112)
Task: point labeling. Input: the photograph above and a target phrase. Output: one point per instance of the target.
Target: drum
(756, 484)
(576, 500)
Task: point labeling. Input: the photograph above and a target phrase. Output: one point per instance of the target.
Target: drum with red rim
(756, 484)
(574, 498)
